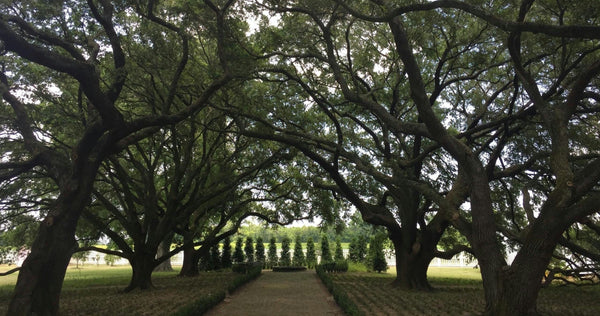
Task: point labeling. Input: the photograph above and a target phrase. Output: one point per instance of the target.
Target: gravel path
(280, 293)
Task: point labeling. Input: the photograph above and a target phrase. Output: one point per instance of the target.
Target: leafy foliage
(249, 249)
(260, 252)
(376, 257)
(238, 252)
(325, 252)
(311, 254)
(226, 259)
(298, 258)
(285, 256)
(272, 253)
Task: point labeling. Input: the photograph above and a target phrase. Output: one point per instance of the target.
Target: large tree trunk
(484, 240)
(190, 263)
(412, 263)
(142, 265)
(522, 282)
(163, 249)
(40, 280)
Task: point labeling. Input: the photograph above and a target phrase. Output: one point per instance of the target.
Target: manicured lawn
(96, 291)
(458, 292)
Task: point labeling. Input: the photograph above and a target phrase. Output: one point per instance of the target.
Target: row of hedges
(250, 272)
(341, 298)
(335, 266)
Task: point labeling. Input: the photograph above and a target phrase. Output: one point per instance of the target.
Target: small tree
(80, 256)
(339, 252)
(358, 249)
(249, 249)
(110, 260)
(272, 252)
(376, 258)
(260, 251)
(215, 257)
(325, 252)
(285, 259)
(226, 253)
(238, 253)
(311, 255)
(298, 259)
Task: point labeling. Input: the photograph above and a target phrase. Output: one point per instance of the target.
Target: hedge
(340, 297)
(205, 303)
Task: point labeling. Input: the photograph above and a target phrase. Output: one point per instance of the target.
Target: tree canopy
(454, 125)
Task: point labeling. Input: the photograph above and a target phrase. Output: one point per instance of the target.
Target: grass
(458, 292)
(96, 290)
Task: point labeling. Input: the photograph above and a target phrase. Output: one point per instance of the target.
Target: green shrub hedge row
(339, 295)
(288, 269)
(203, 304)
(335, 266)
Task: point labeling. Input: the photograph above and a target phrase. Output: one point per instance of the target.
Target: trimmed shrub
(245, 267)
(325, 252)
(358, 249)
(289, 269)
(272, 253)
(376, 256)
(339, 252)
(340, 297)
(260, 252)
(334, 266)
(226, 253)
(238, 252)
(249, 249)
(215, 258)
(285, 259)
(298, 259)
(311, 255)
(203, 304)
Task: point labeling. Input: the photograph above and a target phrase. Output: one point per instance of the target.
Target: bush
(226, 253)
(284, 258)
(311, 255)
(272, 261)
(340, 297)
(325, 252)
(376, 256)
(238, 252)
(341, 266)
(334, 266)
(246, 267)
(298, 259)
(339, 252)
(202, 305)
(260, 251)
(289, 269)
(205, 303)
(249, 249)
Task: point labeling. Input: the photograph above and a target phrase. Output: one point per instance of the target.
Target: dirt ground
(280, 293)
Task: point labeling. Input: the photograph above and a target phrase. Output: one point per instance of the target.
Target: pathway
(280, 293)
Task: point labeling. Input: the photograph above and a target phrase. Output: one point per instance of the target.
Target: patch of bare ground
(280, 293)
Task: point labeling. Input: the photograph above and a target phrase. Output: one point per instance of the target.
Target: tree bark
(412, 263)
(142, 264)
(40, 280)
(163, 249)
(521, 283)
(190, 264)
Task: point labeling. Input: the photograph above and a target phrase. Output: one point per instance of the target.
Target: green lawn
(458, 291)
(95, 290)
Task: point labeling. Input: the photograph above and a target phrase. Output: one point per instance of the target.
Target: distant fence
(460, 260)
